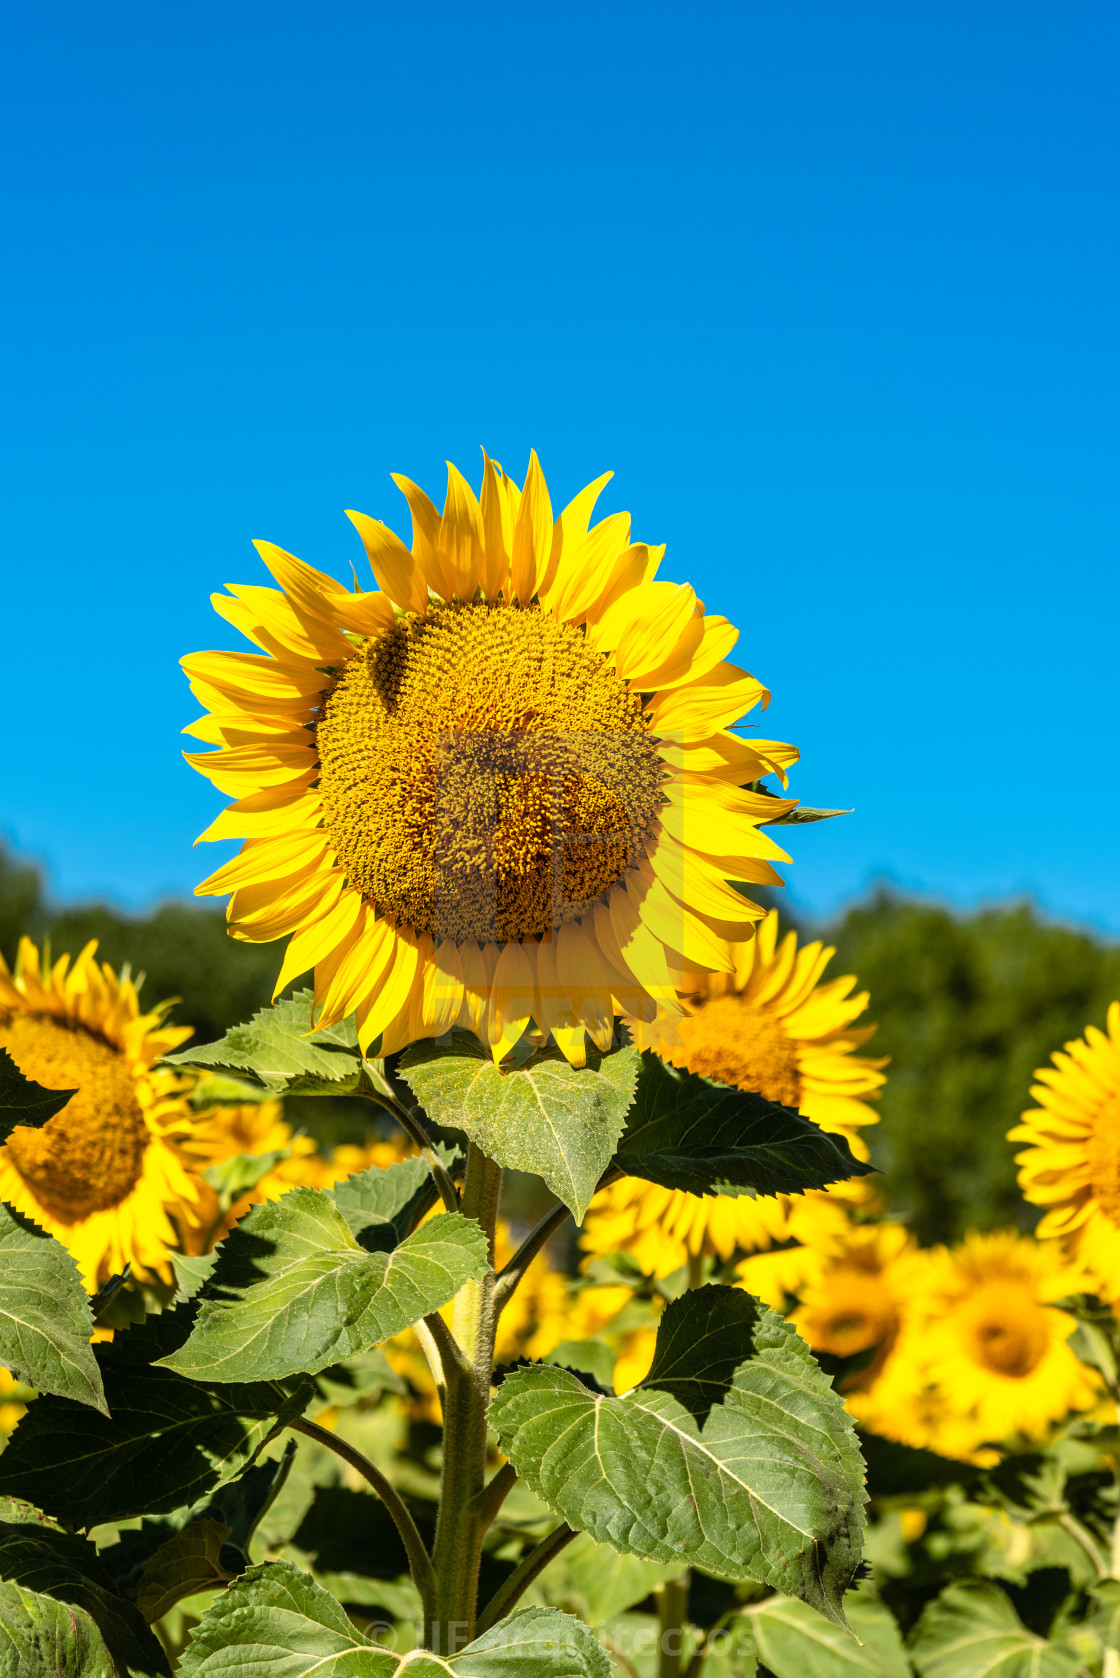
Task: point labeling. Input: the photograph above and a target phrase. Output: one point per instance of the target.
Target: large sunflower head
(500, 790)
(993, 1343)
(1072, 1163)
(109, 1174)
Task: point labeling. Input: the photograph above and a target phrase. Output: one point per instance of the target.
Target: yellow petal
(397, 571)
(532, 535)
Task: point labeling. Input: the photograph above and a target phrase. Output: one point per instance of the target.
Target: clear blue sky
(833, 289)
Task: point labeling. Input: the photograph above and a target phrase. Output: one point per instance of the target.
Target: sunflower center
(484, 773)
(90, 1156)
(858, 1314)
(1103, 1151)
(736, 1043)
(1006, 1330)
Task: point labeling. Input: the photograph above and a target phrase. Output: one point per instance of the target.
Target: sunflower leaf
(386, 1199)
(280, 1049)
(686, 1132)
(288, 1626)
(43, 1635)
(45, 1315)
(294, 1290)
(793, 1641)
(67, 1569)
(972, 1628)
(545, 1117)
(733, 1455)
(188, 1561)
(165, 1442)
(23, 1101)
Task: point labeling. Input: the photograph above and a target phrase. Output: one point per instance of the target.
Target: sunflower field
(592, 1343)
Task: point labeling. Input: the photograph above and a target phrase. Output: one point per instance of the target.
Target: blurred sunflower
(769, 1025)
(257, 1128)
(110, 1175)
(993, 1343)
(500, 790)
(1072, 1165)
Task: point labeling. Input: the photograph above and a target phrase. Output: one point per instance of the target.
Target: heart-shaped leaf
(733, 1455)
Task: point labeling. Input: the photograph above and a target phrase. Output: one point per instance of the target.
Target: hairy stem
(523, 1575)
(419, 1561)
(467, 1354)
(486, 1505)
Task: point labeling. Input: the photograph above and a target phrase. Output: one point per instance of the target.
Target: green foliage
(281, 1052)
(793, 1641)
(544, 1117)
(184, 1564)
(686, 1132)
(67, 1569)
(293, 1289)
(45, 1315)
(972, 1630)
(275, 1622)
(164, 1442)
(733, 1454)
(968, 1007)
(41, 1634)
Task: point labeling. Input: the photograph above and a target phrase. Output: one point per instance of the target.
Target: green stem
(1088, 1543)
(522, 1577)
(467, 1354)
(672, 1608)
(419, 1561)
(414, 1129)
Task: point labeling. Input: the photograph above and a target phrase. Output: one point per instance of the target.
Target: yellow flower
(1072, 1165)
(502, 788)
(260, 1128)
(109, 1175)
(769, 1025)
(991, 1341)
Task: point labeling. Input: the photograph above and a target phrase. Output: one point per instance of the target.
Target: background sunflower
(111, 1175)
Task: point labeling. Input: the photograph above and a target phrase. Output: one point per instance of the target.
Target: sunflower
(260, 1127)
(499, 790)
(109, 1175)
(992, 1342)
(1072, 1165)
(767, 1023)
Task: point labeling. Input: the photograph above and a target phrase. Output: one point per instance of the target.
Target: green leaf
(793, 1640)
(733, 1455)
(972, 1629)
(275, 1622)
(282, 1051)
(380, 1205)
(597, 1583)
(67, 1568)
(165, 1442)
(686, 1132)
(587, 1357)
(45, 1315)
(545, 1117)
(293, 1291)
(187, 1562)
(40, 1636)
(23, 1101)
(232, 1178)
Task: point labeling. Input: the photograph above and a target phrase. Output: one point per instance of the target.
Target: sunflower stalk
(467, 1367)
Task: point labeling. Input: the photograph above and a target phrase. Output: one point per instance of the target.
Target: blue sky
(833, 289)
